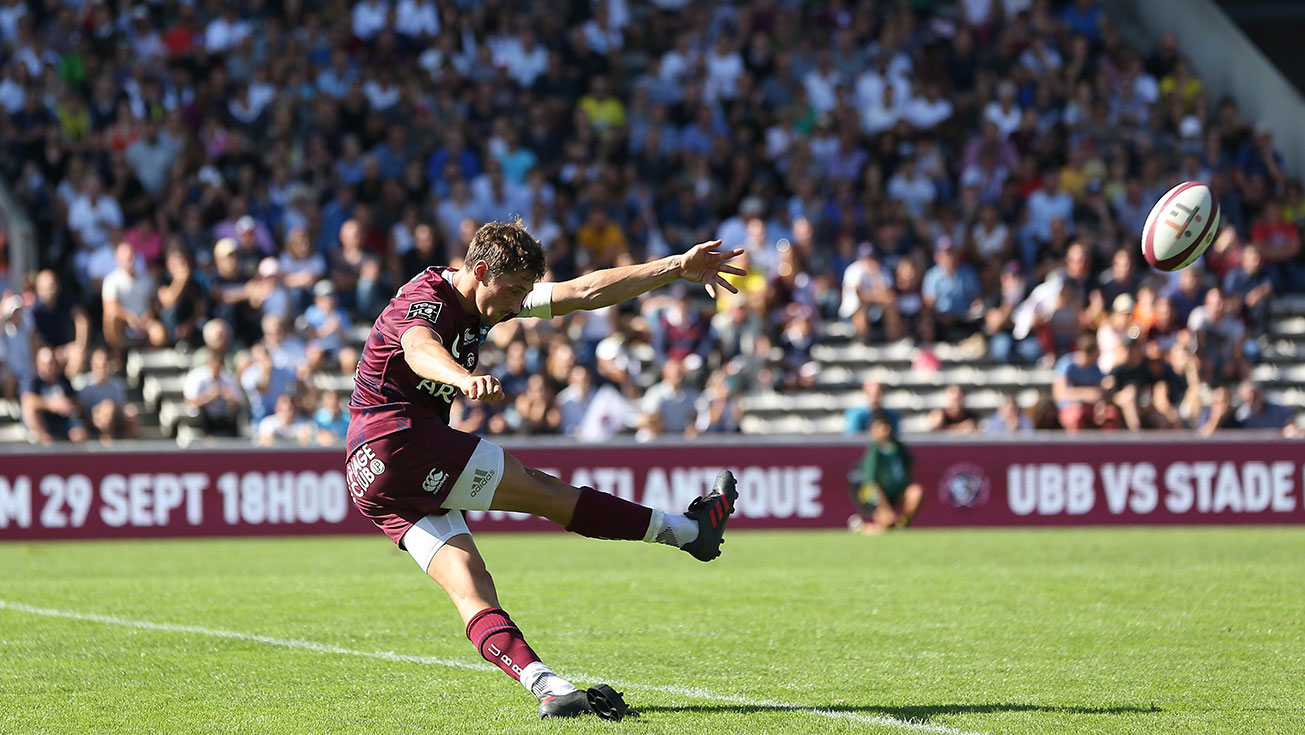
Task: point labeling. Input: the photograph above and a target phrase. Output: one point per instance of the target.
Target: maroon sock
(599, 515)
(500, 641)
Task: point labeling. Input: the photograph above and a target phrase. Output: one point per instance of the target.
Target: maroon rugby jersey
(387, 395)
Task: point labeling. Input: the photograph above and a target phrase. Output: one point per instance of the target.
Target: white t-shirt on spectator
(370, 18)
(922, 113)
(857, 278)
(878, 118)
(92, 220)
(200, 379)
(602, 40)
(1007, 121)
(723, 72)
(673, 66)
(989, 242)
(416, 18)
(221, 36)
(608, 414)
(917, 192)
(523, 66)
(9, 15)
(820, 89)
(12, 95)
(977, 12)
(380, 96)
(134, 293)
(676, 408)
(1044, 207)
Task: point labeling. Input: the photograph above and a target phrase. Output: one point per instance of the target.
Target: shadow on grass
(919, 713)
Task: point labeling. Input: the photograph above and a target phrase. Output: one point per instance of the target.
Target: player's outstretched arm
(703, 263)
(428, 357)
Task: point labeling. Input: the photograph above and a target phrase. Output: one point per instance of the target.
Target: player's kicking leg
(585, 511)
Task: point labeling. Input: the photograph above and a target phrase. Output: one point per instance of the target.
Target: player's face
(503, 297)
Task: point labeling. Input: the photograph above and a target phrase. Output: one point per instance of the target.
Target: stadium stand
(931, 194)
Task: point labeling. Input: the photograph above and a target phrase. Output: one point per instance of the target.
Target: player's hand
(704, 264)
(482, 387)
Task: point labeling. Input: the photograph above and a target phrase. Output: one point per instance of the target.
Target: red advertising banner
(781, 485)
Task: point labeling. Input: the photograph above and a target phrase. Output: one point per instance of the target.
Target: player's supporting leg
(587, 512)
(457, 566)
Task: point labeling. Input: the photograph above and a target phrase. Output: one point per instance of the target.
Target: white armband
(539, 302)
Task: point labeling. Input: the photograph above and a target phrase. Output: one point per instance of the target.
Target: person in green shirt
(882, 489)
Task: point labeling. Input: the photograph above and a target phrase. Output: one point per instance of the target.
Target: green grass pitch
(976, 631)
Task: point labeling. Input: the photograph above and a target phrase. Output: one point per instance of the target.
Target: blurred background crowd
(248, 183)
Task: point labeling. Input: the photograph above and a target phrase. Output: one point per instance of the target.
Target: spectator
(264, 383)
(102, 397)
(1077, 388)
(951, 293)
(61, 322)
(326, 324)
(213, 398)
(533, 410)
(513, 374)
(1008, 419)
(953, 417)
(300, 268)
(857, 418)
(670, 404)
(49, 403)
(885, 490)
(330, 420)
(283, 425)
(1256, 412)
(1219, 415)
(182, 301)
(592, 414)
(128, 303)
(999, 321)
(867, 296)
(718, 409)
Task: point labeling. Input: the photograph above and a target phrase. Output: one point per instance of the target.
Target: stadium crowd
(247, 182)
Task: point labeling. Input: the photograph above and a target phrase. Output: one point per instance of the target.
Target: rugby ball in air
(1181, 226)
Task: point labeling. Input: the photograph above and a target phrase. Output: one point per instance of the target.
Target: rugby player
(412, 474)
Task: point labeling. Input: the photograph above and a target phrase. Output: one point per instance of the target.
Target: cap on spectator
(224, 247)
(324, 288)
(943, 245)
(1123, 304)
(865, 250)
(269, 268)
(1190, 127)
(210, 175)
(245, 224)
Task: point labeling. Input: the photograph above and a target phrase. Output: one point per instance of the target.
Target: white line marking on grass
(693, 692)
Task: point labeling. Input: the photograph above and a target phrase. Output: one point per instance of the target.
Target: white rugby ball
(1181, 226)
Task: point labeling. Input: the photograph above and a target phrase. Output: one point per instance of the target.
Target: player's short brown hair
(507, 247)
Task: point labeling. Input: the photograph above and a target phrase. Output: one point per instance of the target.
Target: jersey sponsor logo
(362, 470)
(434, 481)
(469, 335)
(439, 390)
(426, 310)
(479, 480)
(471, 360)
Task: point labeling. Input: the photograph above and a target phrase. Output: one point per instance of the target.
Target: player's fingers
(728, 286)
(473, 390)
(732, 270)
(711, 291)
